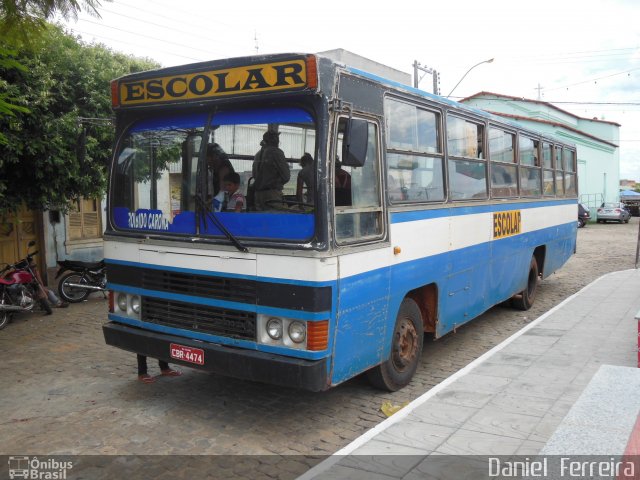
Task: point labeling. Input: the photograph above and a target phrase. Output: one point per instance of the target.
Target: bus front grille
(200, 318)
(236, 290)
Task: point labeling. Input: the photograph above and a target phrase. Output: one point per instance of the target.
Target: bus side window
(358, 201)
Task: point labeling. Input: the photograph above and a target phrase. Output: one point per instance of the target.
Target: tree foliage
(65, 87)
(21, 23)
(23, 20)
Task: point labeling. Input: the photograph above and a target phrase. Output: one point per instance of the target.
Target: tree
(22, 22)
(64, 82)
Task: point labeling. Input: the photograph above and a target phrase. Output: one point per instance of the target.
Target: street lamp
(485, 61)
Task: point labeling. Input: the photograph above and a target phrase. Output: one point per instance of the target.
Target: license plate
(187, 354)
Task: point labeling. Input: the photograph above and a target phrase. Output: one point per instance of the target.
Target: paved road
(65, 392)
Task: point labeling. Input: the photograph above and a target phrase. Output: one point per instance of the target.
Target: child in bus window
(236, 201)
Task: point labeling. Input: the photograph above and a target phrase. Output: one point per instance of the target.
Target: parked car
(583, 215)
(615, 212)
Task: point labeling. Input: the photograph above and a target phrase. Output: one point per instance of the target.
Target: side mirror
(355, 143)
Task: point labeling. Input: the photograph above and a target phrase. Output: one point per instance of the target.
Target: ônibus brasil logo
(33, 468)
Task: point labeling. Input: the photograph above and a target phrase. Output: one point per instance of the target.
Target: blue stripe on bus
(247, 307)
(455, 211)
(246, 344)
(284, 281)
(283, 226)
(262, 115)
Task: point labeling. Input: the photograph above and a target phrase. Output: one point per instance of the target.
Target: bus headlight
(288, 332)
(122, 302)
(135, 304)
(274, 328)
(297, 332)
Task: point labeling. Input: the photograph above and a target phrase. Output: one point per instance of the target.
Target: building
(628, 184)
(597, 141)
(357, 61)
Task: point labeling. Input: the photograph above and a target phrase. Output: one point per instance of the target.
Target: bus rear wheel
(524, 300)
(406, 350)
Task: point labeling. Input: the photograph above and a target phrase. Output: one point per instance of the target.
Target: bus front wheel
(524, 300)
(406, 350)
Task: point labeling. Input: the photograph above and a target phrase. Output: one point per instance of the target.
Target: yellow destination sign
(506, 224)
(286, 75)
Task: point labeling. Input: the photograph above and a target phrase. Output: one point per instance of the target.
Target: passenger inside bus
(271, 172)
(343, 186)
(304, 186)
(235, 199)
(219, 166)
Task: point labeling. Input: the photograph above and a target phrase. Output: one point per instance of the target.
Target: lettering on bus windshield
(232, 81)
(506, 224)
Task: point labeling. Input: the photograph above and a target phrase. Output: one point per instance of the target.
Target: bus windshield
(243, 166)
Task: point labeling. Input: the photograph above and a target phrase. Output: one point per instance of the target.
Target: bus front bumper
(233, 362)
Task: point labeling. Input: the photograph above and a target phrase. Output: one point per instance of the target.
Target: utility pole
(434, 73)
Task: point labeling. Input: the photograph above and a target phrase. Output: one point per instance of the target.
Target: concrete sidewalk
(568, 383)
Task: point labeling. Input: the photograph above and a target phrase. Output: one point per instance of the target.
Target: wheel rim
(72, 292)
(406, 345)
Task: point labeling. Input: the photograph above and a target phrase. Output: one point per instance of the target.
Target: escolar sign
(201, 85)
(506, 224)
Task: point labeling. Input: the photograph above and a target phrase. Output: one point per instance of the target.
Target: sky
(581, 55)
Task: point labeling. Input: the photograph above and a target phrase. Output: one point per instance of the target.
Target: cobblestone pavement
(65, 392)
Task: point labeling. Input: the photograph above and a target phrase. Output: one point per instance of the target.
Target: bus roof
(259, 74)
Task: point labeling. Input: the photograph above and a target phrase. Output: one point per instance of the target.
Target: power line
(172, 19)
(591, 80)
(191, 32)
(562, 101)
(189, 47)
(75, 30)
(248, 31)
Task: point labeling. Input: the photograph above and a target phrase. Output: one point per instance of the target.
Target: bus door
(359, 220)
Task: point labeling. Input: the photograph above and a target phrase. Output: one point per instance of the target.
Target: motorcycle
(21, 289)
(83, 279)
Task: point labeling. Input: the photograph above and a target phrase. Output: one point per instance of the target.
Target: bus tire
(524, 300)
(406, 350)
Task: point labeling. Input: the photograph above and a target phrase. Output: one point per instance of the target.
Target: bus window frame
(559, 169)
(552, 149)
(440, 154)
(514, 163)
(573, 172)
(336, 147)
(537, 163)
(449, 158)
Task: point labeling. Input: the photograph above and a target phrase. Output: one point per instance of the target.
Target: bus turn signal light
(115, 98)
(312, 71)
(318, 335)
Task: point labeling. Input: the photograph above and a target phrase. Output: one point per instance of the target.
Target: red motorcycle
(21, 289)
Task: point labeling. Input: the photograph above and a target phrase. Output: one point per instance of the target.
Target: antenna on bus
(255, 38)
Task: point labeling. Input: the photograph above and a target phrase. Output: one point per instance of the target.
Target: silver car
(614, 212)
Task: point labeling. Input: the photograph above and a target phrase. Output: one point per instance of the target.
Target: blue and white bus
(419, 214)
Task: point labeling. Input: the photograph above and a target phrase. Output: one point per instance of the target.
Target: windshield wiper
(212, 216)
